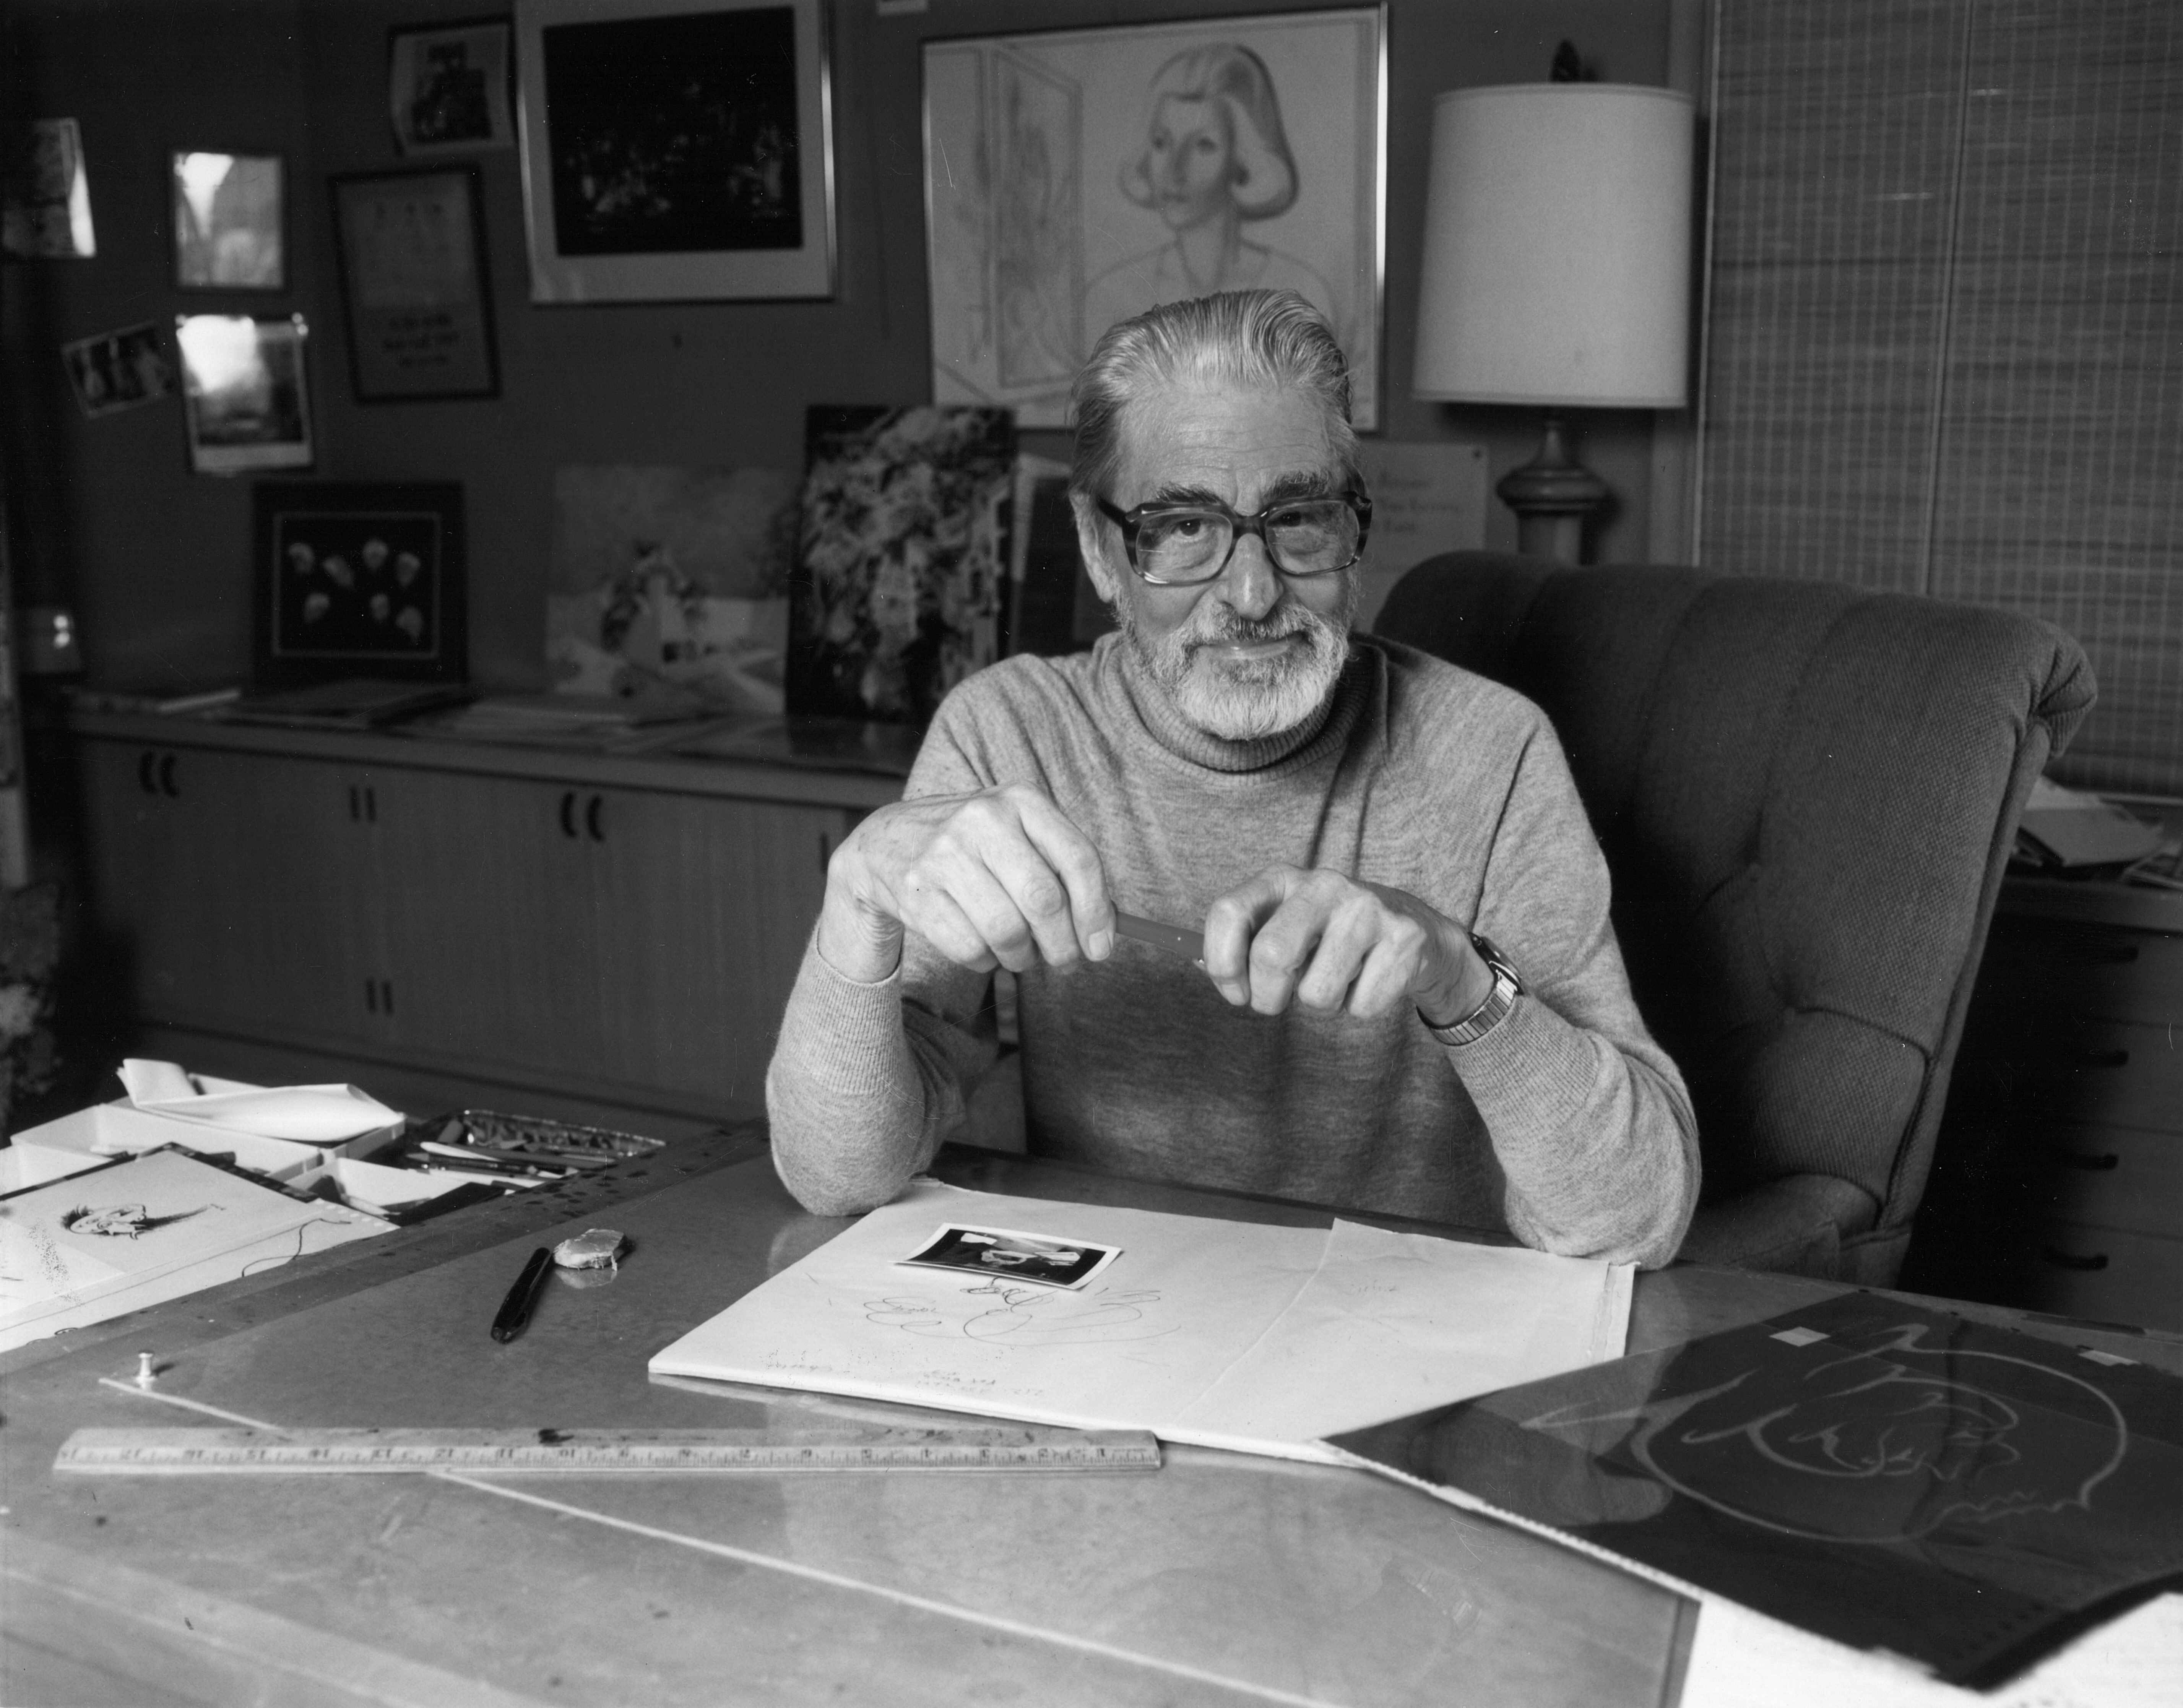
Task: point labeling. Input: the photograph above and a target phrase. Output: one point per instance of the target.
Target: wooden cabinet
(2057, 1184)
(622, 930)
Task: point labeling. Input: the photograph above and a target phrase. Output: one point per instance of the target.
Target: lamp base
(1551, 495)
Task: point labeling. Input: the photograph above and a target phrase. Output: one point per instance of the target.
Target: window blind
(1945, 337)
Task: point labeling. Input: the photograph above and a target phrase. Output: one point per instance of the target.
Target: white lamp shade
(1558, 246)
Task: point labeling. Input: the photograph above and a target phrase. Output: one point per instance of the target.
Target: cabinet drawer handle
(2089, 1162)
(2104, 1058)
(592, 818)
(568, 813)
(2064, 1260)
(145, 779)
(371, 995)
(167, 786)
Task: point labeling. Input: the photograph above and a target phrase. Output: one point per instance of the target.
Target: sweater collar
(1166, 724)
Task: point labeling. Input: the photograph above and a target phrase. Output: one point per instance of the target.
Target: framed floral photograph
(245, 391)
(229, 217)
(413, 269)
(675, 150)
(449, 87)
(1075, 177)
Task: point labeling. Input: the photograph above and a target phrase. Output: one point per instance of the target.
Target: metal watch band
(1490, 1013)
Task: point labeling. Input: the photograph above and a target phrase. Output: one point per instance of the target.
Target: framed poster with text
(412, 268)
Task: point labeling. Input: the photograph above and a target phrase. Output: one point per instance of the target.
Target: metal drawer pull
(2104, 1058)
(568, 813)
(2063, 1260)
(2087, 1160)
(592, 818)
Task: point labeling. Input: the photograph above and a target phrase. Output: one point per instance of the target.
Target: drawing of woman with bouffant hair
(1215, 156)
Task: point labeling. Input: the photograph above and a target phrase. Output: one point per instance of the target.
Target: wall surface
(154, 559)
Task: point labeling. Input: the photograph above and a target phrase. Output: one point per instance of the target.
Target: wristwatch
(1490, 1013)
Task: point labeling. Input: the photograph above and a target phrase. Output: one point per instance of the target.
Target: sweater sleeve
(1589, 1117)
(867, 1081)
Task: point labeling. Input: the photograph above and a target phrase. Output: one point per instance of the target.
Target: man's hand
(997, 878)
(1333, 944)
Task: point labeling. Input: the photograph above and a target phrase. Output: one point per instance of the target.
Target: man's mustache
(1227, 628)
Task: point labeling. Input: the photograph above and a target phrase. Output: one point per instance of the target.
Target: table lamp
(1557, 271)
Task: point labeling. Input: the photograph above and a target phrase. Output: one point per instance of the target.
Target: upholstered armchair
(1807, 793)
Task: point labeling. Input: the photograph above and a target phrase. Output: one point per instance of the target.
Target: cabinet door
(223, 885)
(703, 907)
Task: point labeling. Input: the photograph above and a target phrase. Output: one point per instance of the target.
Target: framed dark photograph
(675, 150)
(412, 266)
(246, 395)
(358, 578)
(1117, 168)
(448, 87)
(230, 217)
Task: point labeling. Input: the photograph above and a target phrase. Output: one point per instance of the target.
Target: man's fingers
(1069, 855)
(1231, 926)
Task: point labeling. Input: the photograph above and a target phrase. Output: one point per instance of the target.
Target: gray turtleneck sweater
(1567, 1124)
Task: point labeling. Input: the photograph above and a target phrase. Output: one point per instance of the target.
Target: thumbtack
(145, 1375)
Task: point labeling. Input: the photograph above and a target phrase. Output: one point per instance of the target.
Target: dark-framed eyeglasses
(1177, 545)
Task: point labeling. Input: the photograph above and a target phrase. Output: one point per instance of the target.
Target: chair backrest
(1807, 793)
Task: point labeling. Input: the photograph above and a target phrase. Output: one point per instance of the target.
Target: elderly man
(1411, 999)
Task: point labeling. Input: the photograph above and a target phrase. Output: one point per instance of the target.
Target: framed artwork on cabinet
(1075, 177)
(675, 150)
(358, 578)
(413, 281)
(231, 219)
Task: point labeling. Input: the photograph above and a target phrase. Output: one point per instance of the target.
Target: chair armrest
(1792, 1226)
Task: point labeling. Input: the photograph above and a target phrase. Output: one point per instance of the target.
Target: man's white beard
(1243, 700)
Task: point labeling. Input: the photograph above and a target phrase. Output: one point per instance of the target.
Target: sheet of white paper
(1393, 1323)
(310, 1114)
(1199, 1330)
(1187, 1296)
(1742, 1660)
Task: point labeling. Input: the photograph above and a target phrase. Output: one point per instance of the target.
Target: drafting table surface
(1294, 1583)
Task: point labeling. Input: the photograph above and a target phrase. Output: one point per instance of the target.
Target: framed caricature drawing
(1073, 178)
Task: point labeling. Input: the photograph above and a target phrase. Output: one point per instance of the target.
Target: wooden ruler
(195, 1451)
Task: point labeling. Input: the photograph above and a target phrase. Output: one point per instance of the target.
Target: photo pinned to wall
(113, 371)
(902, 559)
(358, 578)
(675, 150)
(245, 395)
(45, 191)
(413, 283)
(670, 584)
(448, 86)
(1073, 178)
(230, 214)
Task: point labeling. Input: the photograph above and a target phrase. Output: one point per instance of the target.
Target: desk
(1221, 1578)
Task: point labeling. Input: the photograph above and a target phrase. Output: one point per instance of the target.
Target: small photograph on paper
(1040, 1259)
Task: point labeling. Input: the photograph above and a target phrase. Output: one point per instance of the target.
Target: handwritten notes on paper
(1228, 1334)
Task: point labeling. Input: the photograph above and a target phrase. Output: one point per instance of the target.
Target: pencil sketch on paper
(998, 1313)
(1895, 1440)
(1077, 177)
(123, 1221)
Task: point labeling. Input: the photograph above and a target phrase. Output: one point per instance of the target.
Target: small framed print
(1036, 1260)
(45, 193)
(675, 150)
(412, 248)
(230, 214)
(447, 87)
(245, 394)
(358, 578)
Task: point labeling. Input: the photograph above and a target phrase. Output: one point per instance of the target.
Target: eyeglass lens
(1307, 538)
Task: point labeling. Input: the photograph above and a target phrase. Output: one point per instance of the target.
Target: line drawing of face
(1191, 160)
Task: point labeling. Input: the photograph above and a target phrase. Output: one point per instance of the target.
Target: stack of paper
(134, 1233)
(1221, 1334)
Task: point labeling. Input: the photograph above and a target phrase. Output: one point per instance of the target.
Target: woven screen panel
(1945, 346)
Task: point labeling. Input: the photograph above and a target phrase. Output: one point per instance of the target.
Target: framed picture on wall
(412, 266)
(675, 150)
(1075, 177)
(447, 87)
(357, 579)
(245, 394)
(229, 217)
